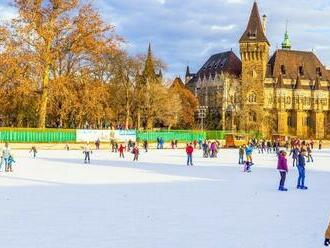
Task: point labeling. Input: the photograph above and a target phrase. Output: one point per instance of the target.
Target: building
(286, 93)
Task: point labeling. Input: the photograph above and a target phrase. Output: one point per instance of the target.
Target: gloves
(327, 242)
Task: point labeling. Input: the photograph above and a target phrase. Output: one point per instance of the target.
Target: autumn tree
(189, 103)
(61, 37)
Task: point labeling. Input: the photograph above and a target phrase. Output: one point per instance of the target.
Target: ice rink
(56, 201)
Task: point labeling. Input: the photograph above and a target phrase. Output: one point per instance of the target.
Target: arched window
(252, 97)
(252, 116)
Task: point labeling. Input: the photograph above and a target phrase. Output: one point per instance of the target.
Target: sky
(188, 32)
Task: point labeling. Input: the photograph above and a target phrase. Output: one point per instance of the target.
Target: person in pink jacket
(282, 166)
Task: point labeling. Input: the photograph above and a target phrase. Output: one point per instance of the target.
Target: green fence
(37, 135)
(31, 135)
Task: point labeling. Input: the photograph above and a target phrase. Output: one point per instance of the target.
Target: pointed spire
(188, 72)
(254, 31)
(286, 44)
(160, 74)
(149, 68)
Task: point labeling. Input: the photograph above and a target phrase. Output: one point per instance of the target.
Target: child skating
(282, 166)
(11, 161)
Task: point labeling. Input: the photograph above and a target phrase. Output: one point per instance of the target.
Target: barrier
(37, 135)
(31, 135)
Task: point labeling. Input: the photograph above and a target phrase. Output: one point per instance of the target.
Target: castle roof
(226, 62)
(254, 31)
(296, 64)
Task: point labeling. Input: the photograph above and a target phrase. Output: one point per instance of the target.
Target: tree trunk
(127, 111)
(44, 99)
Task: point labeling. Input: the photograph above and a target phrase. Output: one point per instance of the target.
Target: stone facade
(287, 93)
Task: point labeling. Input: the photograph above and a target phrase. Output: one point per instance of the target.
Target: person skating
(301, 170)
(121, 151)
(282, 166)
(327, 236)
(320, 145)
(136, 153)
(295, 154)
(205, 149)
(34, 151)
(97, 144)
(11, 161)
(309, 154)
(145, 145)
(248, 153)
(6, 153)
(87, 151)
(189, 151)
(241, 155)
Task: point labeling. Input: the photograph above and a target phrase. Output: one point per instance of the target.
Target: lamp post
(202, 114)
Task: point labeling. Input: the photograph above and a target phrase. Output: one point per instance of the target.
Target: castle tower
(149, 67)
(286, 44)
(254, 50)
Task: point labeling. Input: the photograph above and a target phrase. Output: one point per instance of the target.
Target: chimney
(264, 23)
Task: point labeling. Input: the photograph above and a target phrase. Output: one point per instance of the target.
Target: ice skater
(136, 153)
(295, 153)
(121, 151)
(282, 166)
(6, 153)
(11, 161)
(189, 151)
(327, 237)
(34, 151)
(247, 166)
(301, 170)
(248, 153)
(145, 145)
(87, 152)
(241, 155)
(309, 154)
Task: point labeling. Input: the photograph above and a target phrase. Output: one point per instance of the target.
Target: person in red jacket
(121, 151)
(189, 151)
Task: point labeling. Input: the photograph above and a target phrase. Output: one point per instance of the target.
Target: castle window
(252, 35)
(252, 116)
(252, 98)
(290, 122)
(283, 71)
(301, 70)
(318, 71)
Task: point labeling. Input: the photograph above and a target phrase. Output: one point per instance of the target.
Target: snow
(56, 201)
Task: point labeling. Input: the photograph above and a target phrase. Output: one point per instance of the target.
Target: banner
(123, 135)
(106, 135)
(93, 135)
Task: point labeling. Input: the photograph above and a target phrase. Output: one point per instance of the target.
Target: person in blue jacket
(248, 153)
(301, 170)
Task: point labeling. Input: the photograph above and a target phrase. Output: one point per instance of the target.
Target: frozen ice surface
(56, 201)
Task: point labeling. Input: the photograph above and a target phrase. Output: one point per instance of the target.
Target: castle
(286, 93)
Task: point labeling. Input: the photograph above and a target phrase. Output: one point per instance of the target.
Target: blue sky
(186, 32)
